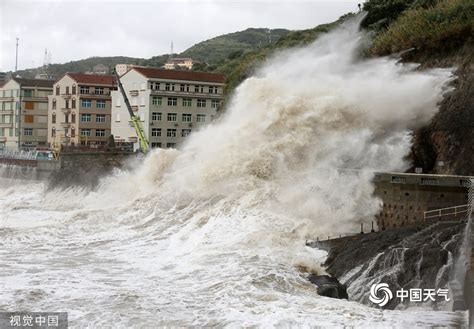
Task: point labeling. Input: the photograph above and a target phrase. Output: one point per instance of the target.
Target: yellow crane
(135, 119)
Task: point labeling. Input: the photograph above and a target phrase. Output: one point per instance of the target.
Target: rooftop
(95, 79)
(43, 83)
(154, 73)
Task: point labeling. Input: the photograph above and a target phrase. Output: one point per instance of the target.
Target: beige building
(24, 113)
(79, 110)
(174, 63)
(171, 104)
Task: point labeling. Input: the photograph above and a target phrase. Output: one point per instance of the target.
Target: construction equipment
(135, 119)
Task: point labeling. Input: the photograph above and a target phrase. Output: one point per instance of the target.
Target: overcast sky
(73, 30)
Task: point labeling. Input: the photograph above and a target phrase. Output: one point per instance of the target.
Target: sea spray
(212, 234)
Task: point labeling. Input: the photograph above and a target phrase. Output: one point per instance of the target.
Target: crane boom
(136, 123)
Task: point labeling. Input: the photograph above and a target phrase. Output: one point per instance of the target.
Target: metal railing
(449, 211)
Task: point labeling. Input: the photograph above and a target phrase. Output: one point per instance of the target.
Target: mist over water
(213, 234)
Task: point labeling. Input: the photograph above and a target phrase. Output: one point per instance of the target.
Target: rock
(329, 286)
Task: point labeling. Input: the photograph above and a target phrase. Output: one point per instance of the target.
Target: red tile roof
(180, 75)
(93, 79)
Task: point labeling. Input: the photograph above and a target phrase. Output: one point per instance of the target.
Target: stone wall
(407, 196)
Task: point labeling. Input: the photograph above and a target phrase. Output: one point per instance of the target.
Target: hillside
(79, 66)
(216, 50)
(211, 52)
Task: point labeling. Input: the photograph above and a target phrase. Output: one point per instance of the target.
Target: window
(28, 132)
(73, 89)
(172, 101)
(98, 90)
(86, 103)
(171, 133)
(215, 103)
(201, 103)
(73, 132)
(185, 132)
(29, 118)
(85, 132)
(29, 105)
(155, 86)
(156, 101)
(67, 90)
(167, 86)
(156, 116)
(187, 88)
(172, 117)
(100, 104)
(156, 132)
(84, 90)
(201, 118)
(171, 145)
(66, 102)
(53, 118)
(73, 118)
(181, 87)
(57, 90)
(28, 93)
(172, 87)
(196, 89)
(100, 118)
(54, 104)
(186, 117)
(53, 132)
(213, 89)
(73, 104)
(187, 102)
(202, 89)
(86, 118)
(155, 145)
(100, 133)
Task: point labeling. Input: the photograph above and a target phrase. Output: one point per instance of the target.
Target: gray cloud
(73, 30)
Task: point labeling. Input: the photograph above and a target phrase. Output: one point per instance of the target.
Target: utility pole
(16, 56)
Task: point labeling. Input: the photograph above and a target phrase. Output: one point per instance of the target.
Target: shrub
(446, 24)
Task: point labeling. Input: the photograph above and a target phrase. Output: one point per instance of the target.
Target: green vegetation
(83, 65)
(216, 50)
(445, 25)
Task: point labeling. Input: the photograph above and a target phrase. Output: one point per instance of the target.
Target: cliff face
(446, 146)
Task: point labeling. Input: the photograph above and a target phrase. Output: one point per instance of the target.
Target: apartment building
(79, 110)
(24, 113)
(171, 104)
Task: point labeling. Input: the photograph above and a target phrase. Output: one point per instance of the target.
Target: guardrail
(450, 211)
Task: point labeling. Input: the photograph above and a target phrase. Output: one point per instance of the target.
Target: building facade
(174, 63)
(171, 104)
(79, 110)
(24, 113)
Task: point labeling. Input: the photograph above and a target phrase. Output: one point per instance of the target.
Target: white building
(171, 104)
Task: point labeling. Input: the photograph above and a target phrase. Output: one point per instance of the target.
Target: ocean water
(214, 234)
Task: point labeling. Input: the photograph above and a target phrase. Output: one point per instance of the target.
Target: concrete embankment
(86, 169)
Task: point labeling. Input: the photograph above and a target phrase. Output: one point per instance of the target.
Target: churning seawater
(213, 234)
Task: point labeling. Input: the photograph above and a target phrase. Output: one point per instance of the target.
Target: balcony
(66, 110)
(65, 124)
(66, 96)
